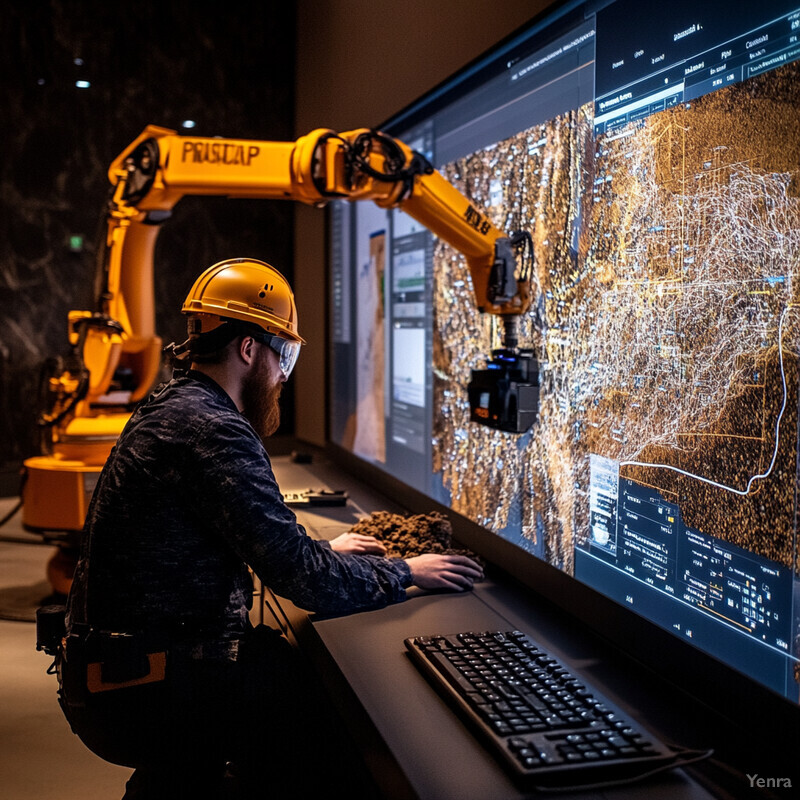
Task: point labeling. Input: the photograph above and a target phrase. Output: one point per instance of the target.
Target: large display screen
(654, 156)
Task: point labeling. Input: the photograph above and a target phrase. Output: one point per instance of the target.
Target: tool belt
(103, 661)
(88, 661)
(113, 660)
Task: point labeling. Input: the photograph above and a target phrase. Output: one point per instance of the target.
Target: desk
(413, 743)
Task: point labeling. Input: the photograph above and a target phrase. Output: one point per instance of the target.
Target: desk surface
(414, 743)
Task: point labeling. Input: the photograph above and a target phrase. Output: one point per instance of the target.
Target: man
(162, 670)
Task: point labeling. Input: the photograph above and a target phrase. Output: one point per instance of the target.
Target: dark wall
(230, 68)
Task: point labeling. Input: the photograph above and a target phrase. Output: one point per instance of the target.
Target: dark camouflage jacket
(185, 502)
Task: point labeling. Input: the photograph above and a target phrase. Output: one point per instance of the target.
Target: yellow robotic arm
(160, 167)
(88, 408)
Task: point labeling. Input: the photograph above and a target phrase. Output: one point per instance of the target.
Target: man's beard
(260, 399)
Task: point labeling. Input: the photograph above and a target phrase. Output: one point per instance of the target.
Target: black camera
(505, 395)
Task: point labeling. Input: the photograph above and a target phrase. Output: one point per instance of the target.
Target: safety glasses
(287, 351)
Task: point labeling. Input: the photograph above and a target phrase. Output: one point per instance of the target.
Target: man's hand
(357, 544)
(434, 571)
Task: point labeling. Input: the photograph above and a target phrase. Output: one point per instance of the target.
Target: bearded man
(161, 669)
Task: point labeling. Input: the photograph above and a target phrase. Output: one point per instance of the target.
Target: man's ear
(247, 349)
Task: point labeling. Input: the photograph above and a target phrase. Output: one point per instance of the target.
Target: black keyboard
(545, 724)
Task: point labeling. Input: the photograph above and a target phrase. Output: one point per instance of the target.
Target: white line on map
(754, 478)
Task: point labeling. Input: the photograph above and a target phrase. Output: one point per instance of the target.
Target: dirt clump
(406, 536)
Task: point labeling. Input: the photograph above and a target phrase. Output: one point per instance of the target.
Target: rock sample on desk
(406, 536)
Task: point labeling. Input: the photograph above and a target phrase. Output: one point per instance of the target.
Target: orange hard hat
(247, 290)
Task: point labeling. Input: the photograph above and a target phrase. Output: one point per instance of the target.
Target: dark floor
(40, 758)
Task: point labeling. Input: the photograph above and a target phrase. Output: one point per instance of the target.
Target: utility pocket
(50, 628)
(121, 660)
(104, 676)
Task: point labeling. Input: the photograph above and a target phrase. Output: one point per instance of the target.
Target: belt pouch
(122, 656)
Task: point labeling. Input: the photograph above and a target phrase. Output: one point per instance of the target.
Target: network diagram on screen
(656, 162)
